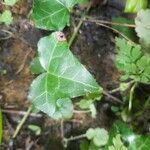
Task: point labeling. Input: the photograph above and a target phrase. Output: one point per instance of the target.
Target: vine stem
(76, 29)
(118, 88)
(131, 96)
(19, 126)
(81, 111)
(112, 97)
(66, 140)
(110, 23)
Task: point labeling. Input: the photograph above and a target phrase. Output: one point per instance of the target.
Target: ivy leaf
(64, 76)
(133, 6)
(10, 2)
(6, 17)
(142, 22)
(36, 67)
(50, 14)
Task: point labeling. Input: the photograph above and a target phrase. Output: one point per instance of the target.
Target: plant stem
(112, 97)
(66, 140)
(17, 112)
(10, 35)
(118, 88)
(19, 126)
(81, 111)
(131, 96)
(110, 23)
(76, 29)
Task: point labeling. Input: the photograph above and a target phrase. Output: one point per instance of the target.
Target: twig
(76, 29)
(10, 35)
(131, 96)
(112, 97)
(19, 126)
(81, 111)
(118, 88)
(110, 23)
(16, 112)
(66, 140)
(23, 62)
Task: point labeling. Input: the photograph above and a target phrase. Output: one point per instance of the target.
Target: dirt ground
(94, 47)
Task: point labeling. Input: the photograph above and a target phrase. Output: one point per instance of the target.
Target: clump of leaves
(6, 17)
(133, 6)
(142, 22)
(131, 60)
(64, 78)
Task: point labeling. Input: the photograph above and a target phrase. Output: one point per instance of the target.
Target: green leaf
(99, 136)
(120, 128)
(134, 141)
(84, 145)
(1, 127)
(142, 22)
(6, 17)
(140, 143)
(64, 109)
(36, 129)
(10, 2)
(90, 133)
(85, 104)
(92, 146)
(36, 67)
(64, 76)
(50, 14)
(132, 62)
(93, 110)
(129, 32)
(117, 144)
(133, 6)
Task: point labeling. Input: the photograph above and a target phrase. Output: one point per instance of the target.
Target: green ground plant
(61, 77)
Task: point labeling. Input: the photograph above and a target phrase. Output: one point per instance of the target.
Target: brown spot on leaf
(60, 36)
